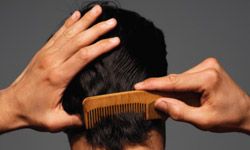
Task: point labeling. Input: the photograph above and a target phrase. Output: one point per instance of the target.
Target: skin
(33, 99)
(224, 106)
(155, 142)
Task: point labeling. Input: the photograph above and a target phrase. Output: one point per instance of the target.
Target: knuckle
(56, 77)
(68, 34)
(106, 41)
(78, 40)
(87, 18)
(104, 44)
(213, 63)
(45, 62)
(172, 78)
(212, 60)
(84, 54)
(176, 114)
(212, 76)
(100, 27)
(99, 46)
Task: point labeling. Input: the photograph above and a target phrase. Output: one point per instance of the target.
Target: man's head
(141, 54)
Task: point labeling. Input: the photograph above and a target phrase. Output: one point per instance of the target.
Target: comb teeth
(98, 107)
(96, 115)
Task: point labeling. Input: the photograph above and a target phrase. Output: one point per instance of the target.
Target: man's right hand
(224, 105)
(33, 100)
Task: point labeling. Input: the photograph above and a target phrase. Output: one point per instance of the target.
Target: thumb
(72, 120)
(179, 110)
(63, 120)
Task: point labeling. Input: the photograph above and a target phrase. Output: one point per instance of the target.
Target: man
(51, 75)
(141, 54)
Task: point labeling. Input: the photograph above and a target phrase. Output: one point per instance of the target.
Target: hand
(224, 106)
(33, 99)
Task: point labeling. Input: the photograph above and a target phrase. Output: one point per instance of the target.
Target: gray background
(194, 29)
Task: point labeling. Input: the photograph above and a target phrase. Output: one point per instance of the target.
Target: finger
(180, 111)
(195, 82)
(69, 22)
(86, 55)
(86, 38)
(71, 120)
(79, 26)
(208, 63)
(87, 20)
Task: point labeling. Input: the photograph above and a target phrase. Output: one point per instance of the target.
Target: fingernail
(75, 15)
(96, 9)
(111, 21)
(115, 40)
(139, 85)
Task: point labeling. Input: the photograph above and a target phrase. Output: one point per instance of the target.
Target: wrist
(245, 126)
(11, 118)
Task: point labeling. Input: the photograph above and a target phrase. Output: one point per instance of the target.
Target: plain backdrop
(194, 30)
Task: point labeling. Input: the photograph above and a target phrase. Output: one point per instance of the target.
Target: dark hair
(141, 54)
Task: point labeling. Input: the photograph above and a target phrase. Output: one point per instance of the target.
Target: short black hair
(141, 54)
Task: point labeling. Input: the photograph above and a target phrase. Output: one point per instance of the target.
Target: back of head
(141, 54)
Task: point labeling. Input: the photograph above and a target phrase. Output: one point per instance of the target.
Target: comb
(97, 107)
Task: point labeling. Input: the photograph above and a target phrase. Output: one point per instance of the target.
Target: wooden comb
(97, 107)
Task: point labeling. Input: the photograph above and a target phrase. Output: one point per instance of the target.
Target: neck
(155, 142)
(78, 142)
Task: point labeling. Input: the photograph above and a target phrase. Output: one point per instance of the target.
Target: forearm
(9, 116)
